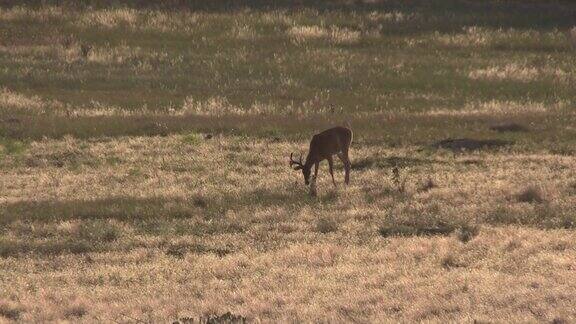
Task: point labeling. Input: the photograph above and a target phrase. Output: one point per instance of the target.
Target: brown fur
(323, 146)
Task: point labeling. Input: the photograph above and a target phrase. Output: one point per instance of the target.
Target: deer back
(330, 142)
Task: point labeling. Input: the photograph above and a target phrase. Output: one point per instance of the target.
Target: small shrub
(559, 320)
(85, 50)
(530, 194)
(415, 229)
(192, 138)
(326, 225)
(509, 127)
(75, 310)
(503, 214)
(467, 232)
(554, 216)
(228, 318)
(399, 182)
(450, 262)
(201, 249)
(428, 185)
(10, 310)
(200, 201)
(177, 250)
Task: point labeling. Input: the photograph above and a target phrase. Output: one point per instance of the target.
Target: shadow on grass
(391, 162)
(123, 209)
(81, 226)
(151, 210)
(416, 229)
(12, 248)
(455, 13)
(398, 129)
(543, 215)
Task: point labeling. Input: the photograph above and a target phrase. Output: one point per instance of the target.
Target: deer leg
(316, 165)
(331, 168)
(344, 158)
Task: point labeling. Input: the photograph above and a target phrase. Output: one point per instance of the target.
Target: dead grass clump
(553, 216)
(76, 310)
(509, 127)
(218, 251)
(200, 201)
(428, 185)
(467, 232)
(531, 194)
(192, 138)
(398, 181)
(335, 35)
(110, 18)
(13, 102)
(304, 33)
(177, 250)
(512, 71)
(85, 50)
(344, 36)
(326, 225)
(226, 318)
(519, 73)
(10, 310)
(559, 320)
(416, 229)
(450, 262)
(215, 106)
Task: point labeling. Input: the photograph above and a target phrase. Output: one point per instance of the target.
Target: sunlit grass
(144, 161)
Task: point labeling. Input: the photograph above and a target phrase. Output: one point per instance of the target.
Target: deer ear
(298, 167)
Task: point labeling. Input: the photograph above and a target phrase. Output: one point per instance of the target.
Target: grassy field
(144, 161)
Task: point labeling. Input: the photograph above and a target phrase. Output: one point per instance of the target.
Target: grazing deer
(322, 147)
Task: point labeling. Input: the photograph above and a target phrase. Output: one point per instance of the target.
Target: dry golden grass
(517, 72)
(500, 108)
(230, 227)
(144, 147)
(334, 34)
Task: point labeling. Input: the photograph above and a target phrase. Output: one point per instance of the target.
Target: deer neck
(310, 159)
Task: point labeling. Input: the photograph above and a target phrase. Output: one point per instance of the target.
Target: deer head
(299, 165)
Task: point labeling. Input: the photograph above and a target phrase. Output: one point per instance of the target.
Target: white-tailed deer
(323, 146)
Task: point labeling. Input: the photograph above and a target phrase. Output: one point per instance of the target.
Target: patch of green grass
(11, 147)
(409, 59)
(326, 225)
(192, 138)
